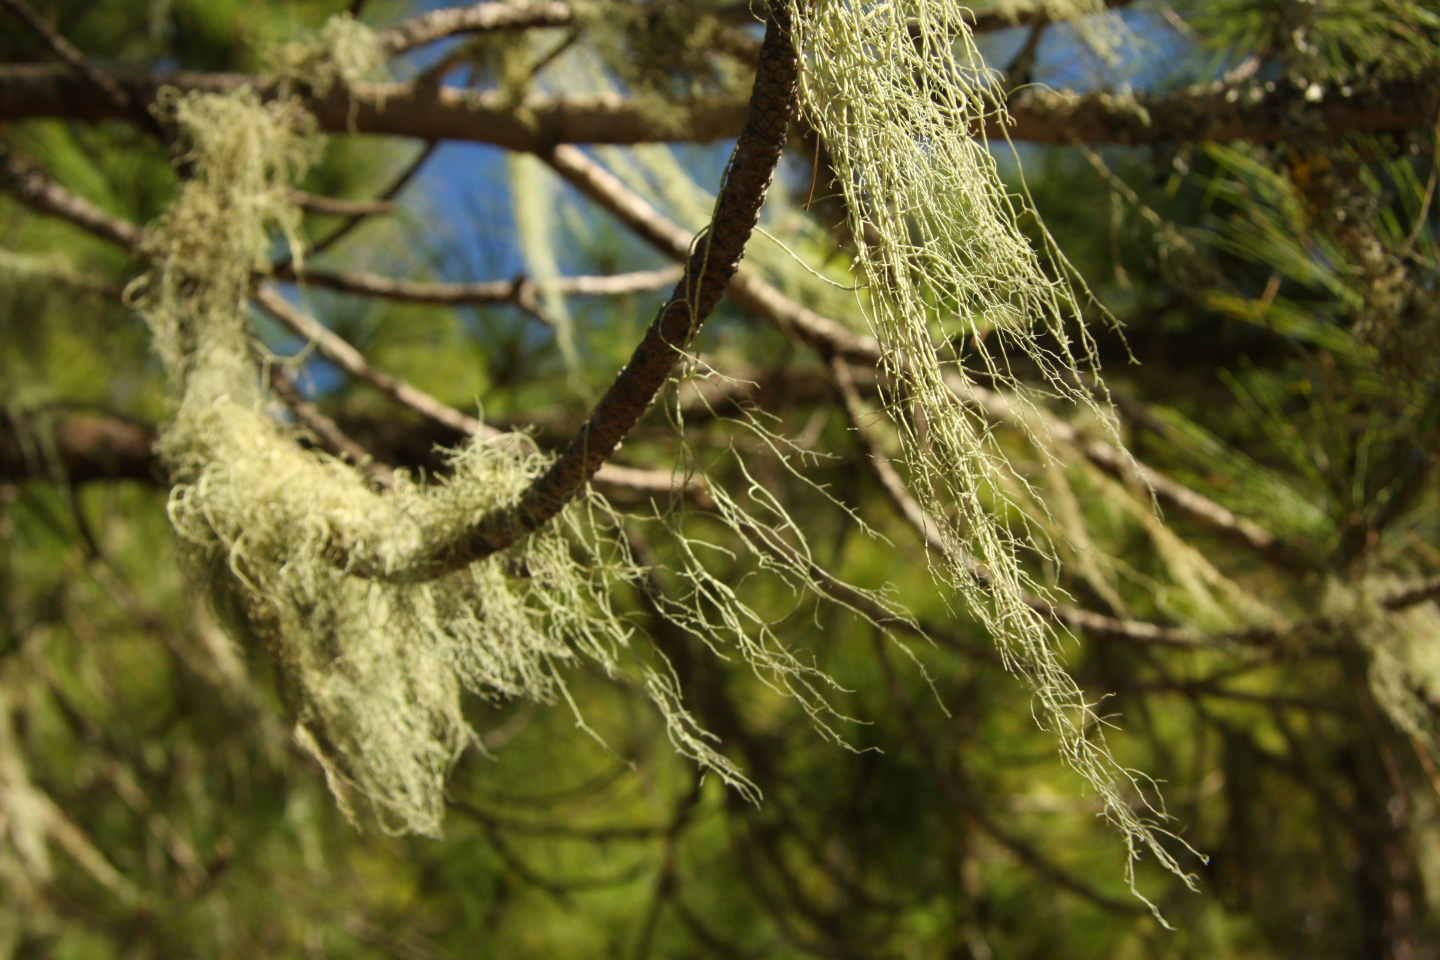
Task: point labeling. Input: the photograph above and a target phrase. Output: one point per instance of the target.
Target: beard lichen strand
(897, 90)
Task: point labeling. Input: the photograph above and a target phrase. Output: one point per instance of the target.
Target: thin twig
(487, 291)
(1093, 624)
(327, 431)
(399, 183)
(335, 349)
(1418, 594)
(72, 56)
(479, 18)
(335, 206)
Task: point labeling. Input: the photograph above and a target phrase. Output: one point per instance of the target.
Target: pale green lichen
(1403, 648)
(373, 671)
(344, 50)
(900, 95)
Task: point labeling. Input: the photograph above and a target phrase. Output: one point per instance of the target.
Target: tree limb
(34, 188)
(1254, 111)
(487, 291)
(478, 18)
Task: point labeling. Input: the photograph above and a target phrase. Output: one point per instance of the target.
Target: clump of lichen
(344, 50)
(1403, 647)
(372, 671)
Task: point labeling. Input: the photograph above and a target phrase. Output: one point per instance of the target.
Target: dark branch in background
(33, 187)
(87, 447)
(78, 447)
(1219, 112)
(713, 262)
(1429, 590)
(74, 59)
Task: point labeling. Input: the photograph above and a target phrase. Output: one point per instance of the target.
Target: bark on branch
(713, 261)
(1253, 111)
(478, 18)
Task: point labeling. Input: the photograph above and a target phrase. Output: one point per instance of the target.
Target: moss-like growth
(900, 95)
(373, 671)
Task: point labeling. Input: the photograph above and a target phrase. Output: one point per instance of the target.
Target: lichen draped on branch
(372, 671)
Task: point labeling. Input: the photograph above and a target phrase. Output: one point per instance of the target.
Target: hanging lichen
(343, 50)
(900, 95)
(373, 671)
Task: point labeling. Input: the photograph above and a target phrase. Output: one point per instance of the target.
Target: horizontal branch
(495, 17)
(488, 291)
(423, 111)
(1418, 594)
(88, 447)
(34, 188)
(1254, 111)
(77, 447)
(478, 18)
(338, 207)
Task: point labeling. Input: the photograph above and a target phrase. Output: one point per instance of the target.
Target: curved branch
(712, 264)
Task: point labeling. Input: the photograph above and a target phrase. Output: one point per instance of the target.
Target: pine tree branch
(337, 207)
(71, 55)
(22, 178)
(1221, 112)
(487, 291)
(1416, 595)
(29, 184)
(713, 261)
(479, 18)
